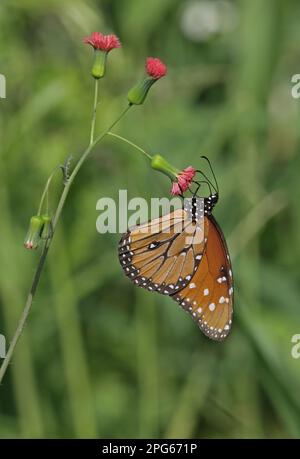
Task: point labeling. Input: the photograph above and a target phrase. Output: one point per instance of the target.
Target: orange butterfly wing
(168, 256)
(209, 295)
(163, 254)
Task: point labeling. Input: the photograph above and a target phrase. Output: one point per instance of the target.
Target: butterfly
(184, 255)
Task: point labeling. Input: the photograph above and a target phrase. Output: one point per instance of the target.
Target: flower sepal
(99, 66)
(138, 94)
(47, 228)
(160, 164)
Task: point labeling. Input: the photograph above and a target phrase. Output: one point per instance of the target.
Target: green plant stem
(46, 189)
(131, 143)
(41, 263)
(79, 164)
(94, 111)
(25, 312)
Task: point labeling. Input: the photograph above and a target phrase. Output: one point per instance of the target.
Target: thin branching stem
(46, 191)
(141, 150)
(43, 257)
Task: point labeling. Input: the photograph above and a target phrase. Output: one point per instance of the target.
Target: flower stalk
(94, 111)
(42, 226)
(47, 244)
(129, 142)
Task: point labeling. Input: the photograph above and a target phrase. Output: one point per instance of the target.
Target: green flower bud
(160, 164)
(138, 93)
(34, 233)
(99, 67)
(47, 228)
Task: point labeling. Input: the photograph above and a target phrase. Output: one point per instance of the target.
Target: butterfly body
(184, 255)
(210, 202)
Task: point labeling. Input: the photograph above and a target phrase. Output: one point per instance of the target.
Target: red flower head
(175, 190)
(184, 180)
(103, 42)
(155, 68)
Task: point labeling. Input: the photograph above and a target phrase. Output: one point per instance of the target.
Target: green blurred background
(98, 357)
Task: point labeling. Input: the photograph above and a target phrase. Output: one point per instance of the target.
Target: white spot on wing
(212, 306)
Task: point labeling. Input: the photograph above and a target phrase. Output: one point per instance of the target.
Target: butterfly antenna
(194, 193)
(198, 183)
(207, 181)
(212, 171)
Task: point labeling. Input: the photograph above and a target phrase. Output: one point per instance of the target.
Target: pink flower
(183, 183)
(155, 68)
(103, 42)
(175, 190)
(184, 180)
(188, 173)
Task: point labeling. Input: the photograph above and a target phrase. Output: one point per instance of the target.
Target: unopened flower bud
(34, 233)
(47, 228)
